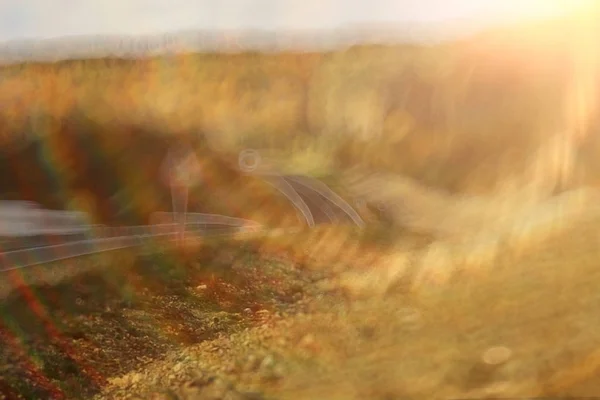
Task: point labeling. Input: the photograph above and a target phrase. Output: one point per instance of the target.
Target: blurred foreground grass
(345, 314)
(384, 313)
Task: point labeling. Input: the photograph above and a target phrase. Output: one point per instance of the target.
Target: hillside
(458, 116)
(483, 150)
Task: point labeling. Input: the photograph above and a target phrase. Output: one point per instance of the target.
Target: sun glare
(586, 75)
(557, 7)
(527, 10)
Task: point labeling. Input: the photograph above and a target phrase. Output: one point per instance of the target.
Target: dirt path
(525, 328)
(325, 314)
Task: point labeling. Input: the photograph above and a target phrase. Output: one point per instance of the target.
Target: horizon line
(184, 41)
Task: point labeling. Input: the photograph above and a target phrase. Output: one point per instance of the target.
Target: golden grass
(459, 116)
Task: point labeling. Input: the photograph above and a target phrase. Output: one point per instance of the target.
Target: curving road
(315, 201)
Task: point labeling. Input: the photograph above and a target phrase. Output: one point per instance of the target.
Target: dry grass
(448, 125)
(356, 336)
(412, 110)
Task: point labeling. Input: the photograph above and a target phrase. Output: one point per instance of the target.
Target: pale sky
(20, 19)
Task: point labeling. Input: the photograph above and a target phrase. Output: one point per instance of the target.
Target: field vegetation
(475, 165)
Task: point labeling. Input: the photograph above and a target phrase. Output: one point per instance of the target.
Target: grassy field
(293, 317)
(461, 116)
(475, 278)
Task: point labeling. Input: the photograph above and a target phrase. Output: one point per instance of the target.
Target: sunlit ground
(465, 293)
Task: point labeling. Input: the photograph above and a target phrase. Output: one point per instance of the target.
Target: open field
(292, 317)
(482, 105)
(473, 163)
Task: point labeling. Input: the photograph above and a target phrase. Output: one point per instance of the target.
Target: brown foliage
(452, 115)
